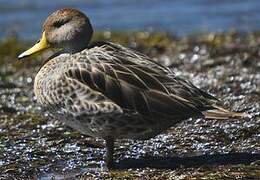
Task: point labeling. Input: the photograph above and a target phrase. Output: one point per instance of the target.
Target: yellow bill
(39, 46)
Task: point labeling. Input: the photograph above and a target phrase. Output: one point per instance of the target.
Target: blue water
(24, 17)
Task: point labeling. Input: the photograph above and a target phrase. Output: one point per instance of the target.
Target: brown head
(67, 29)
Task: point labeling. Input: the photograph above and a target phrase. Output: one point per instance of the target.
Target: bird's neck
(74, 49)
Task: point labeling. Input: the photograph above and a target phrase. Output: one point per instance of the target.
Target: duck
(105, 90)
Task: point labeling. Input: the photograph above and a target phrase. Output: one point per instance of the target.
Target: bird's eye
(60, 23)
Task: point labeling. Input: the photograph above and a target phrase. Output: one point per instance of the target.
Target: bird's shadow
(188, 162)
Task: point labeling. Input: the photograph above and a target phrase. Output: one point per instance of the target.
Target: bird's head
(67, 29)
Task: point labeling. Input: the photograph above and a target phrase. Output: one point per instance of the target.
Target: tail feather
(223, 114)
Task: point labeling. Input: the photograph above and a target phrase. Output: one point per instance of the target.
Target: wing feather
(132, 81)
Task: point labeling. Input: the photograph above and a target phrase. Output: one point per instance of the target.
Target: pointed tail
(222, 114)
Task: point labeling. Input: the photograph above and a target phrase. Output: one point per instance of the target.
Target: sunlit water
(24, 17)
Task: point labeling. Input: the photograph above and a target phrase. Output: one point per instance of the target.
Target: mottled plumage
(109, 91)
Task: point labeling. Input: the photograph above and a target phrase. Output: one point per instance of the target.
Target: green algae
(141, 39)
(10, 49)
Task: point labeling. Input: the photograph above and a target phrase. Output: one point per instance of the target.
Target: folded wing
(132, 81)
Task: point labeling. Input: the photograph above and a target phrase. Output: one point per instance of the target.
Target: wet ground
(34, 145)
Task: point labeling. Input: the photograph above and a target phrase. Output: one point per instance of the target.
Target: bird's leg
(110, 152)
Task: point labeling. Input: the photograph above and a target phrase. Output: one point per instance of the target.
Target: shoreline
(226, 65)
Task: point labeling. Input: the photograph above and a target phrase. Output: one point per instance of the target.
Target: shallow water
(34, 145)
(25, 17)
